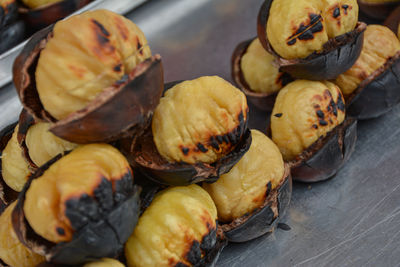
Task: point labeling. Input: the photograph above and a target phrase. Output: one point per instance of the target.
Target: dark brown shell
(11, 35)
(123, 109)
(25, 122)
(377, 10)
(7, 195)
(103, 230)
(41, 17)
(337, 56)
(144, 156)
(264, 219)
(393, 20)
(263, 101)
(8, 14)
(378, 93)
(326, 156)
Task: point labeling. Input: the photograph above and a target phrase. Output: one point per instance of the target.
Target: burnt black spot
(278, 115)
(340, 103)
(194, 254)
(123, 79)
(60, 231)
(320, 114)
(209, 240)
(214, 143)
(123, 187)
(306, 32)
(220, 139)
(104, 195)
(345, 7)
(202, 148)
(269, 187)
(101, 27)
(181, 264)
(292, 41)
(118, 68)
(241, 118)
(185, 150)
(336, 12)
(103, 35)
(332, 106)
(80, 210)
(316, 106)
(323, 123)
(284, 227)
(139, 46)
(315, 126)
(226, 138)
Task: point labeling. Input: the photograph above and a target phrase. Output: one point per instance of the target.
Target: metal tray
(352, 219)
(7, 58)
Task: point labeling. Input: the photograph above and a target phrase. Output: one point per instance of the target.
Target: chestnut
(255, 193)
(39, 14)
(255, 74)
(199, 131)
(179, 228)
(377, 9)
(371, 86)
(308, 124)
(100, 92)
(313, 40)
(78, 207)
(12, 251)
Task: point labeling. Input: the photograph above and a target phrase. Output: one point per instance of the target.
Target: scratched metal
(350, 220)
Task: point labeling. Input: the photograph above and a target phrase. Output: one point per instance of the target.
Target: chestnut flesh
(338, 54)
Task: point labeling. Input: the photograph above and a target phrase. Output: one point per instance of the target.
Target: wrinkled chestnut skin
(264, 219)
(144, 155)
(327, 155)
(41, 17)
(123, 109)
(96, 239)
(337, 56)
(377, 10)
(378, 93)
(263, 101)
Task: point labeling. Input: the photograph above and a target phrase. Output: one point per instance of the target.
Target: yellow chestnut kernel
(105, 262)
(372, 57)
(12, 251)
(43, 145)
(39, 3)
(193, 114)
(340, 16)
(76, 66)
(244, 187)
(76, 174)
(258, 69)
(177, 219)
(15, 168)
(303, 112)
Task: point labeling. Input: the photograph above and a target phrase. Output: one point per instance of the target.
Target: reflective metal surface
(350, 220)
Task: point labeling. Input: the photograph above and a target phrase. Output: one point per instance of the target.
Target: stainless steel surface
(119, 6)
(350, 220)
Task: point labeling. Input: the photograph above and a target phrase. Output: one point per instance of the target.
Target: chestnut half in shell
(252, 197)
(79, 207)
(337, 55)
(273, 79)
(201, 144)
(122, 109)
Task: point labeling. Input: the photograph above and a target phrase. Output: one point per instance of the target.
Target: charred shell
(99, 238)
(263, 101)
(41, 17)
(326, 156)
(264, 219)
(8, 13)
(123, 109)
(377, 10)
(144, 155)
(378, 93)
(337, 56)
(11, 35)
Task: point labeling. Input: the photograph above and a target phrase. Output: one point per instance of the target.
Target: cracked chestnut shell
(39, 17)
(377, 9)
(252, 197)
(263, 61)
(122, 109)
(371, 86)
(336, 55)
(179, 228)
(79, 221)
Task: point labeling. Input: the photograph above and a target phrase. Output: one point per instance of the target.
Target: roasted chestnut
(199, 131)
(377, 9)
(105, 262)
(254, 193)
(179, 228)
(308, 125)
(256, 75)
(38, 14)
(371, 86)
(78, 207)
(104, 88)
(12, 251)
(314, 40)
